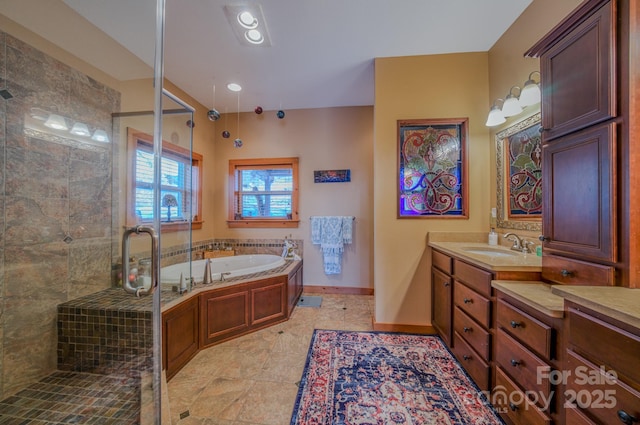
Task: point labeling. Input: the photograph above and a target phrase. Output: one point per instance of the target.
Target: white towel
(331, 233)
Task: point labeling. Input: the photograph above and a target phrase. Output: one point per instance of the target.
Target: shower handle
(126, 284)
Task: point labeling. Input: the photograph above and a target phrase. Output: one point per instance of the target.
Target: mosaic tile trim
(71, 397)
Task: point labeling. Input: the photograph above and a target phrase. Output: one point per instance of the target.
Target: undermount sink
(491, 252)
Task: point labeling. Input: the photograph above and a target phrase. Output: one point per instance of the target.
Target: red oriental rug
(386, 379)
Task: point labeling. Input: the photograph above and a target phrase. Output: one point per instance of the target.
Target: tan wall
(438, 86)
(323, 139)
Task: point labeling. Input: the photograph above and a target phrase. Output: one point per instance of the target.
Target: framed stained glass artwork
(432, 168)
(519, 174)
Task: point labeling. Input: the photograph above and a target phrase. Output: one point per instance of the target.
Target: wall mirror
(519, 176)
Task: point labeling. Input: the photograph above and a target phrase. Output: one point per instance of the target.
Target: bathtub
(236, 266)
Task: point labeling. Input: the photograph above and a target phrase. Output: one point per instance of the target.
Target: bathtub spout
(207, 272)
(222, 275)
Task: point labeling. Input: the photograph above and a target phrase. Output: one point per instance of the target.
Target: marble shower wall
(55, 205)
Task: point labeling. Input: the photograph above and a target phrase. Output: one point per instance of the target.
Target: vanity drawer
(477, 368)
(605, 344)
(522, 364)
(478, 279)
(568, 271)
(532, 332)
(576, 417)
(442, 261)
(604, 398)
(520, 409)
(473, 333)
(472, 303)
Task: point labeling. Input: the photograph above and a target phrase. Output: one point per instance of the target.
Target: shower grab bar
(126, 284)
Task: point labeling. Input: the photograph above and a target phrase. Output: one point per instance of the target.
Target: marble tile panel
(36, 174)
(37, 78)
(3, 59)
(35, 269)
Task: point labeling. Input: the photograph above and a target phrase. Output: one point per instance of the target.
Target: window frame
(262, 222)
(136, 138)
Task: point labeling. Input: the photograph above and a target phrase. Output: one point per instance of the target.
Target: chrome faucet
(222, 275)
(520, 244)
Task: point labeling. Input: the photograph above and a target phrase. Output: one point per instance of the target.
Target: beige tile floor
(252, 380)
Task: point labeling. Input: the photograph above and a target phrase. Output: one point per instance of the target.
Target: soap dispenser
(493, 237)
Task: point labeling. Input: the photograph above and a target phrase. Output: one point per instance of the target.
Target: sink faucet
(520, 244)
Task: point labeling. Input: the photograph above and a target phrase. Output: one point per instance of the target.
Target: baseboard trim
(396, 327)
(344, 290)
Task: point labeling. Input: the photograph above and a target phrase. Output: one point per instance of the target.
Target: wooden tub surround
(212, 314)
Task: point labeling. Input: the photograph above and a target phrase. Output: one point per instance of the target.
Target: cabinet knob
(566, 273)
(515, 363)
(466, 357)
(543, 238)
(446, 283)
(467, 300)
(466, 329)
(515, 324)
(513, 407)
(626, 418)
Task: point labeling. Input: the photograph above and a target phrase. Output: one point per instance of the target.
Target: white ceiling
(321, 55)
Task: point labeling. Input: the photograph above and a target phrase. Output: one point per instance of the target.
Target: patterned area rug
(386, 378)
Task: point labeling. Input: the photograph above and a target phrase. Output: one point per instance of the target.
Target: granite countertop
(619, 303)
(504, 260)
(537, 295)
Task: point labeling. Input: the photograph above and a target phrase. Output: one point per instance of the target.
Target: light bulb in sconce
(511, 105)
(100, 136)
(56, 122)
(495, 115)
(530, 94)
(80, 129)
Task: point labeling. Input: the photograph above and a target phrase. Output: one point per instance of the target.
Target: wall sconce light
(56, 122)
(511, 105)
(40, 120)
(80, 129)
(496, 117)
(530, 93)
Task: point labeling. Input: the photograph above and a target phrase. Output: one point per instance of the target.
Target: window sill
(176, 226)
(257, 223)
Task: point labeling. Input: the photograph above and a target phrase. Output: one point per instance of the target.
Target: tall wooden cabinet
(589, 67)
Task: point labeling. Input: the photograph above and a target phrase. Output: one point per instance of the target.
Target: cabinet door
(180, 335)
(268, 301)
(578, 76)
(579, 175)
(441, 311)
(224, 314)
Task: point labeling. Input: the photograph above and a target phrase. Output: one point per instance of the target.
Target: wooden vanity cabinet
(295, 288)
(180, 335)
(605, 352)
(528, 348)
(591, 121)
(464, 312)
(442, 295)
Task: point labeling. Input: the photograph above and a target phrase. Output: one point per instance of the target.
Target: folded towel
(331, 233)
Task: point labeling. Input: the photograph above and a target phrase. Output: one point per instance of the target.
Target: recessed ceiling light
(234, 87)
(247, 20)
(254, 36)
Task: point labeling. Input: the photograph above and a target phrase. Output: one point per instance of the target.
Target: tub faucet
(207, 272)
(222, 275)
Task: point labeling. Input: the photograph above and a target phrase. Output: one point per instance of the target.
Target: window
(263, 192)
(181, 176)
